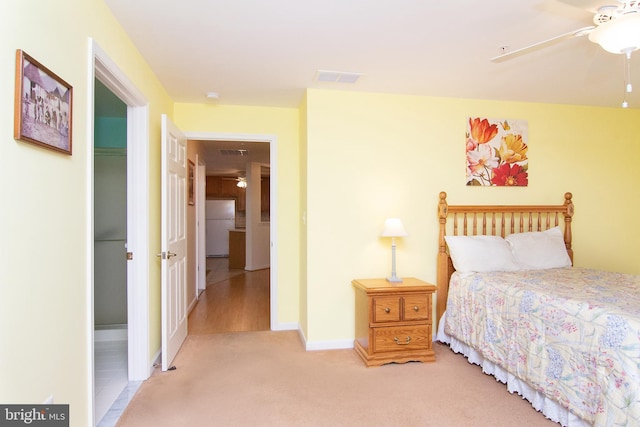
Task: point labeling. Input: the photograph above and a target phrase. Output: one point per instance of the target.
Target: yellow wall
(45, 324)
(304, 326)
(372, 156)
(346, 161)
(283, 124)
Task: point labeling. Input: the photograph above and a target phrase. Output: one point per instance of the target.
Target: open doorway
(133, 171)
(232, 161)
(109, 247)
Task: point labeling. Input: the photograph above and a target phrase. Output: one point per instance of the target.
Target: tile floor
(112, 389)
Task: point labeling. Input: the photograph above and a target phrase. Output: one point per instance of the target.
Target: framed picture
(497, 152)
(190, 183)
(43, 105)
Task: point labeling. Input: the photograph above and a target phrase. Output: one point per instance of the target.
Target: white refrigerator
(221, 217)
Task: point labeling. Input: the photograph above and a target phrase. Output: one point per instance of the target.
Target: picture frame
(497, 152)
(190, 183)
(43, 110)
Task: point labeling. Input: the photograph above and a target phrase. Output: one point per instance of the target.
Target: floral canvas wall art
(497, 152)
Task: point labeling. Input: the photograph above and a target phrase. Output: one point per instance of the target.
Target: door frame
(201, 198)
(101, 67)
(273, 204)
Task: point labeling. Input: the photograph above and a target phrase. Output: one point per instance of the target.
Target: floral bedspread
(573, 334)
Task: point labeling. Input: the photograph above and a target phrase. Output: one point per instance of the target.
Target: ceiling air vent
(337, 76)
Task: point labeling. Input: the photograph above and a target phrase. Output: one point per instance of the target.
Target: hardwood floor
(234, 301)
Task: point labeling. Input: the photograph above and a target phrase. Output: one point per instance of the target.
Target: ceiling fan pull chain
(628, 88)
(627, 72)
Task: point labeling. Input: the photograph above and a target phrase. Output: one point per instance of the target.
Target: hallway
(234, 301)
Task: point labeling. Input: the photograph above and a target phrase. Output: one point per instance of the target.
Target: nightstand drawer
(393, 321)
(417, 307)
(386, 309)
(401, 338)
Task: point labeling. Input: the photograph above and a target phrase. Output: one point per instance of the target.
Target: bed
(565, 338)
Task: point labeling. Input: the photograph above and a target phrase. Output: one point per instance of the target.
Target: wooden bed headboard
(496, 220)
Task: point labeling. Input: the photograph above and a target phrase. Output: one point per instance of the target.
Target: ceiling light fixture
(242, 182)
(621, 35)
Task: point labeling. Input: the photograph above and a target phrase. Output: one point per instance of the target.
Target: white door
(174, 241)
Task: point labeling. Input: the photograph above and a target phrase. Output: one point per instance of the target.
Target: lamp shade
(393, 228)
(620, 35)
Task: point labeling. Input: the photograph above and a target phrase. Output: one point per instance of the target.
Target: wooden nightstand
(393, 321)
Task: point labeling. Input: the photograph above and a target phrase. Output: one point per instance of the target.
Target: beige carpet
(268, 379)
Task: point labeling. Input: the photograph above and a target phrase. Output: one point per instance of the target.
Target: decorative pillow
(539, 250)
(480, 254)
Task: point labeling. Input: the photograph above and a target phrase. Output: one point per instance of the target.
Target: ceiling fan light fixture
(620, 35)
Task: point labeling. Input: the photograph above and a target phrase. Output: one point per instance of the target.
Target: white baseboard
(302, 337)
(291, 326)
(256, 267)
(110, 333)
(155, 361)
(329, 345)
(324, 345)
(192, 305)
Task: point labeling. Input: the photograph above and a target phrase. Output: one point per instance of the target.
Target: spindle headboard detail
(495, 220)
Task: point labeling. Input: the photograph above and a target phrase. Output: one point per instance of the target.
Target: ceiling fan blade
(589, 5)
(524, 50)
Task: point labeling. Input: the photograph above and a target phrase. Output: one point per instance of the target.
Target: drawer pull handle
(402, 343)
(387, 310)
(415, 308)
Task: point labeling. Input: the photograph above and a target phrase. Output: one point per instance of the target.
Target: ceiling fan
(616, 29)
(241, 180)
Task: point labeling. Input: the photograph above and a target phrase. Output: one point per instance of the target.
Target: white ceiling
(256, 52)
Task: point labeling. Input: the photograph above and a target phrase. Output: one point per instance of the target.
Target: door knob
(166, 255)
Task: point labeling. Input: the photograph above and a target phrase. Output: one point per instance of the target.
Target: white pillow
(539, 250)
(480, 254)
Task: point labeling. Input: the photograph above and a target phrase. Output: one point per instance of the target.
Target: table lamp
(393, 228)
